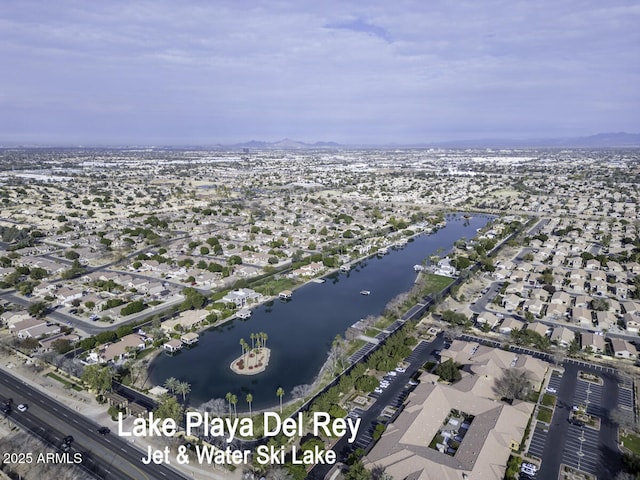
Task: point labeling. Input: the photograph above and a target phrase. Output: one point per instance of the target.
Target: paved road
(107, 457)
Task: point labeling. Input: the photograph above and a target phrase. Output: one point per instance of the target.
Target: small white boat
(365, 292)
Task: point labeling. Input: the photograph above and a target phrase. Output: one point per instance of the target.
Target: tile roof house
(595, 342)
(623, 349)
(563, 336)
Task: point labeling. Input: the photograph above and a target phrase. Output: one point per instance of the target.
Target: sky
(186, 72)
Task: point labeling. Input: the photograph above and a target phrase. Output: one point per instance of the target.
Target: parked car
(551, 390)
(401, 370)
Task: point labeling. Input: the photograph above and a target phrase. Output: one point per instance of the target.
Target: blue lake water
(301, 331)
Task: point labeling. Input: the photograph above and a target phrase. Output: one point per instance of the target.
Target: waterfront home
(118, 351)
(172, 345)
(185, 321)
(190, 338)
(242, 297)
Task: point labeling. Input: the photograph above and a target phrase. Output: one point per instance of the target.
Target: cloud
(320, 70)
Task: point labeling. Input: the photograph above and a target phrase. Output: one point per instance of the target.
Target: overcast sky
(375, 71)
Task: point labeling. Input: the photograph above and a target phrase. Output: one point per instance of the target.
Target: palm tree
(264, 338)
(183, 388)
(233, 400)
(280, 393)
(228, 397)
(171, 384)
(253, 337)
(249, 400)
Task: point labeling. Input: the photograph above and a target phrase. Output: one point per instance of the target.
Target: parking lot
(571, 443)
(581, 449)
(590, 395)
(625, 393)
(538, 441)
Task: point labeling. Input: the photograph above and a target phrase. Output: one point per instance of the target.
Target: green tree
(97, 377)
(280, 394)
(183, 388)
(448, 371)
(171, 384)
(38, 309)
(168, 407)
(249, 399)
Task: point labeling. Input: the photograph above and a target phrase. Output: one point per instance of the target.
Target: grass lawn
(548, 400)
(631, 442)
(545, 414)
(435, 283)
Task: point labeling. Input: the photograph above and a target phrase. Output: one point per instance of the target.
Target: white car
(401, 370)
(378, 390)
(22, 407)
(392, 373)
(551, 390)
(528, 471)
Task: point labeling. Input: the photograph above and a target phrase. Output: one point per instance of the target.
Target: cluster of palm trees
(233, 400)
(258, 341)
(175, 386)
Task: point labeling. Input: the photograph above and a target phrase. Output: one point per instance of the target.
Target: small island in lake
(254, 358)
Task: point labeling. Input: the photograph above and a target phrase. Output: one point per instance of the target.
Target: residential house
(242, 297)
(172, 345)
(509, 324)
(488, 318)
(562, 336)
(582, 316)
(540, 328)
(582, 301)
(593, 342)
(66, 295)
(40, 331)
(511, 302)
(185, 321)
(10, 318)
(534, 306)
(631, 322)
(118, 351)
(560, 298)
(623, 349)
(606, 320)
(190, 338)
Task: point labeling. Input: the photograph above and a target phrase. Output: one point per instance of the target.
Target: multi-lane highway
(103, 456)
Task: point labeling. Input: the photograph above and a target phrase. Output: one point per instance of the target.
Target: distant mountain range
(601, 140)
